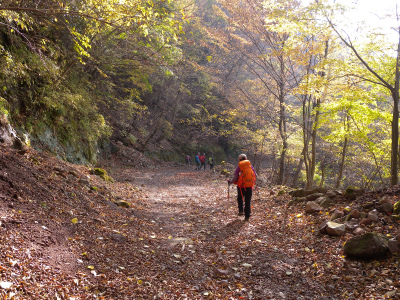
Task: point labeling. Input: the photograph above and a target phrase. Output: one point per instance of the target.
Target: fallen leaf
(5, 285)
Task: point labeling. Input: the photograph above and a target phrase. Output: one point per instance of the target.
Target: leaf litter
(181, 238)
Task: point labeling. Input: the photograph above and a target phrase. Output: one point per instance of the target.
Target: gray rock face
(298, 193)
(326, 203)
(353, 191)
(367, 246)
(358, 231)
(393, 245)
(350, 196)
(339, 199)
(373, 215)
(7, 133)
(351, 225)
(123, 203)
(322, 227)
(387, 207)
(331, 194)
(355, 214)
(116, 237)
(335, 229)
(312, 207)
(84, 181)
(336, 214)
(315, 196)
(319, 200)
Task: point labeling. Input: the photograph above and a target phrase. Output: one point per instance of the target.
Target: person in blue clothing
(197, 160)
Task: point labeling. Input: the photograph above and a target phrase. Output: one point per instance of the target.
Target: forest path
(212, 252)
(63, 236)
(189, 203)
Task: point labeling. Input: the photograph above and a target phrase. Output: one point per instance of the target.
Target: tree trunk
(321, 184)
(395, 95)
(339, 178)
(282, 121)
(282, 131)
(395, 137)
(314, 142)
(306, 138)
(395, 122)
(298, 170)
(316, 108)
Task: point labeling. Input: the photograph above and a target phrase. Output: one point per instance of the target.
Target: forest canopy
(283, 81)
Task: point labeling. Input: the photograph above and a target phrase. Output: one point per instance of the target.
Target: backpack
(247, 177)
(211, 160)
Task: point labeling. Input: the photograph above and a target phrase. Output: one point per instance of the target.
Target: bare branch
(350, 45)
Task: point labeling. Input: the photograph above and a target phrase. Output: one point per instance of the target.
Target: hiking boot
(241, 213)
(247, 219)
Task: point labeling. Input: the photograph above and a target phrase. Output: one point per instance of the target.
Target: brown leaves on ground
(180, 239)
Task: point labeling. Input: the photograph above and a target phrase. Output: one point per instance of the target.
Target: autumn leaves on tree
(328, 99)
(278, 79)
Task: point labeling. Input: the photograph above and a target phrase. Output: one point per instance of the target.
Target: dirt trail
(210, 250)
(63, 237)
(187, 203)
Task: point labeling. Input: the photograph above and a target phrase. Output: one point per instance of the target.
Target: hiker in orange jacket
(245, 178)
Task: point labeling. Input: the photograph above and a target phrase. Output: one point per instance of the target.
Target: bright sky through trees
(369, 13)
(380, 13)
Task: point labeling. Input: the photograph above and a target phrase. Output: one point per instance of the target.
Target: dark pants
(245, 193)
(203, 164)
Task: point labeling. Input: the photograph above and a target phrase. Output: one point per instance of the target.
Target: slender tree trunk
(306, 138)
(316, 108)
(321, 184)
(282, 122)
(395, 138)
(395, 122)
(298, 170)
(339, 178)
(282, 131)
(314, 141)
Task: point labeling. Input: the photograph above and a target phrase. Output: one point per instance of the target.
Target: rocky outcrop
(365, 218)
(9, 137)
(312, 207)
(367, 246)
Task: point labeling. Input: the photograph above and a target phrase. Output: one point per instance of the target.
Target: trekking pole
(257, 191)
(228, 189)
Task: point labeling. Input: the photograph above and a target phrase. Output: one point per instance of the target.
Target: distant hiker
(188, 160)
(197, 160)
(245, 178)
(203, 161)
(211, 162)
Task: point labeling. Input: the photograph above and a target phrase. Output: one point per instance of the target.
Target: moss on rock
(102, 174)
